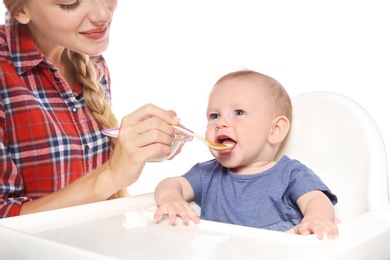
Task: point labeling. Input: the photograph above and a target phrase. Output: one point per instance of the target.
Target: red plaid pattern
(48, 138)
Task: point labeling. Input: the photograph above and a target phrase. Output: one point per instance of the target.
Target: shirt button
(75, 109)
(86, 148)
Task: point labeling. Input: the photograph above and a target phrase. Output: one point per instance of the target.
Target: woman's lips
(96, 34)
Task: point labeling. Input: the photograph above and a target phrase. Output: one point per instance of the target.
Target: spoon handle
(185, 130)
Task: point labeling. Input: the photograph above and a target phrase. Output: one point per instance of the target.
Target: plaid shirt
(48, 138)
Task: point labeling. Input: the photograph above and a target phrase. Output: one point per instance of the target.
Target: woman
(54, 102)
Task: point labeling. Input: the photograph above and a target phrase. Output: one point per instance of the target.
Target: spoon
(113, 132)
(212, 145)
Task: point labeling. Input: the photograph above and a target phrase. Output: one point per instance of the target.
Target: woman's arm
(143, 134)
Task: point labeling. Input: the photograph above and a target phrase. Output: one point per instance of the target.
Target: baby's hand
(176, 208)
(317, 227)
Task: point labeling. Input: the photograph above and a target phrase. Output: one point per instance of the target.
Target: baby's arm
(172, 196)
(318, 216)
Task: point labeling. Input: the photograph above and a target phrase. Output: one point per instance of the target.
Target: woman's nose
(103, 11)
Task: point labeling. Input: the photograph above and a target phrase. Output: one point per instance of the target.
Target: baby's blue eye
(214, 116)
(239, 113)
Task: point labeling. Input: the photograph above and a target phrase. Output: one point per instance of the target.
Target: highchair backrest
(338, 139)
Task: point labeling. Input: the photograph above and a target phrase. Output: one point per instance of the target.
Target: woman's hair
(94, 94)
(13, 6)
(277, 94)
(89, 75)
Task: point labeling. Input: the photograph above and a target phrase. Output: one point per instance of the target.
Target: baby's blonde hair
(89, 75)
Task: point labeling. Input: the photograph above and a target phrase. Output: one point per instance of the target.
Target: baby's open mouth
(226, 141)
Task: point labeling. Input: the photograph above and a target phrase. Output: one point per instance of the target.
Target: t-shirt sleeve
(199, 176)
(304, 180)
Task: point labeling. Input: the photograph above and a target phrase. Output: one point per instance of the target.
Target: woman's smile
(96, 34)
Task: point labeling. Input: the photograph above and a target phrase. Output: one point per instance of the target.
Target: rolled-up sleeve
(11, 182)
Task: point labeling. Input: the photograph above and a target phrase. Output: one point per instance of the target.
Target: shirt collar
(23, 51)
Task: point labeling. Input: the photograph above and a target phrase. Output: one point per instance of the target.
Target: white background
(170, 53)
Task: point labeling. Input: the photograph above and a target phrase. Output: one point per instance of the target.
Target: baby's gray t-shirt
(264, 200)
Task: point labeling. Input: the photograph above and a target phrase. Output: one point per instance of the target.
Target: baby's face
(238, 113)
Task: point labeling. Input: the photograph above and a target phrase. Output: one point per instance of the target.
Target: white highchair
(339, 140)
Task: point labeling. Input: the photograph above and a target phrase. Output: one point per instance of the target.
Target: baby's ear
(279, 131)
(22, 16)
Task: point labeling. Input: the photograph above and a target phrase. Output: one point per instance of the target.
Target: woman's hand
(143, 134)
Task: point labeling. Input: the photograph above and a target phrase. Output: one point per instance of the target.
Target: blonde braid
(94, 94)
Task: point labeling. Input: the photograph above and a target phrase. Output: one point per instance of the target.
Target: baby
(245, 185)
